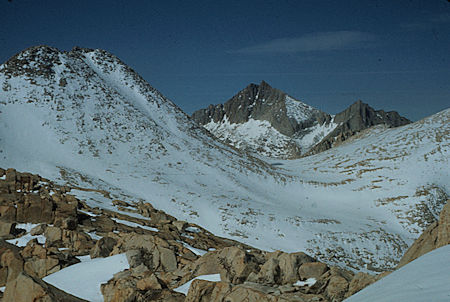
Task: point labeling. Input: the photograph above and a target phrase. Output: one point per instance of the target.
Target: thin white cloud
(433, 21)
(313, 42)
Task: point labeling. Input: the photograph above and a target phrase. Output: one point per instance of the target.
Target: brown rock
(289, 265)
(269, 273)
(103, 247)
(35, 209)
(41, 267)
(38, 230)
(53, 236)
(200, 291)
(180, 225)
(312, 270)
(167, 259)
(436, 235)
(25, 288)
(11, 259)
(8, 213)
(234, 264)
(281, 268)
(148, 283)
(7, 229)
(443, 233)
(360, 281)
(336, 288)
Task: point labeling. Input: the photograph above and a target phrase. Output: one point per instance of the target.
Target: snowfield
(86, 119)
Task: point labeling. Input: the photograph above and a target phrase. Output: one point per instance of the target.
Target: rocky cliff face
(267, 121)
(282, 123)
(357, 117)
(435, 236)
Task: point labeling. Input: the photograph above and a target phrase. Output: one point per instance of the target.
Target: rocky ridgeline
(264, 103)
(354, 119)
(157, 254)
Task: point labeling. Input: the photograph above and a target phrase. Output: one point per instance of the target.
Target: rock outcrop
(25, 288)
(435, 236)
(160, 253)
(357, 117)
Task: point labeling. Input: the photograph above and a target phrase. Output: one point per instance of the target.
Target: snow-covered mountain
(268, 122)
(85, 118)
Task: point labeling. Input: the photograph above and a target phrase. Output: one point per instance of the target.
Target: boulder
(312, 270)
(336, 288)
(35, 209)
(360, 281)
(8, 213)
(12, 261)
(25, 288)
(38, 230)
(7, 229)
(435, 236)
(281, 268)
(234, 264)
(200, 291)
(103, 247)
(148, 282)
(167, 259)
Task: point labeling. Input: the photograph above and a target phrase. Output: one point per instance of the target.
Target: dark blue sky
(393, 55)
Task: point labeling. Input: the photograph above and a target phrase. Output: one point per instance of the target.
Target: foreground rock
(159, 250)
(25, 288)
(435, 236)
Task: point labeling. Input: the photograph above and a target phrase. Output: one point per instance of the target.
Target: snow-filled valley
(86, 119)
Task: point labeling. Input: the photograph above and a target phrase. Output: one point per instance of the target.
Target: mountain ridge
(302, 129)
(88, 122)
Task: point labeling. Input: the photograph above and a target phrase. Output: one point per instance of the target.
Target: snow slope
(424, 279)
(85, 118)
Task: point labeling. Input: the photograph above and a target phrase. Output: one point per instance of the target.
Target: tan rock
(41, 267)
(7, 229)
(8, 213)
(289, 265)
(251, 293)
(270, 272)
(53, 236)
(149, 282)
(25, 288)
(35, 209)
(360, 281)
(38, 230)
(167, 259)
(12, 260)
(234, 264)
(436, 235)
(180, 225)
(312, 270)
(103, 247)
(336, 288)
(201, 291)
(443, 233)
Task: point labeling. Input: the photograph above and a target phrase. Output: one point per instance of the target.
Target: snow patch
(185, 287)
(83, 279)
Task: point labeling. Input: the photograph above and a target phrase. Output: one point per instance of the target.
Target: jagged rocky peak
(262, 102)
(267, 121)
(359, 116)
